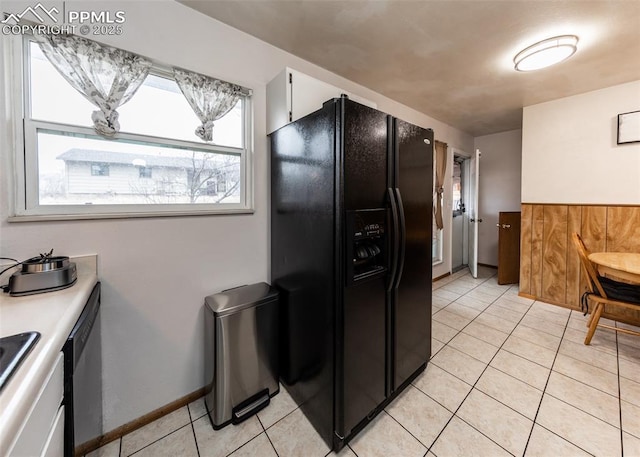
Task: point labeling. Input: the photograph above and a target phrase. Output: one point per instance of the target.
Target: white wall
(569, 150)
(156, 272)
(500, 172)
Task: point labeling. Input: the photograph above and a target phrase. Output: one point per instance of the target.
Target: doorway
(459, 226)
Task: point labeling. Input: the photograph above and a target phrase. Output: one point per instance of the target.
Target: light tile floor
(508, 376)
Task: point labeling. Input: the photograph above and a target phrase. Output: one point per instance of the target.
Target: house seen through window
(154, 161)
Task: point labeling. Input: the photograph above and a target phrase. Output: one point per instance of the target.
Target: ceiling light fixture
(546, 53)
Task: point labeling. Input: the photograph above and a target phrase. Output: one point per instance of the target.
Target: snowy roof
(134, 159)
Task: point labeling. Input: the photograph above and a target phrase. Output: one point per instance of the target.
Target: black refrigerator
(351, 223)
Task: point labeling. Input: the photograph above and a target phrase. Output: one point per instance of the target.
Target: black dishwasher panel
(83, 378)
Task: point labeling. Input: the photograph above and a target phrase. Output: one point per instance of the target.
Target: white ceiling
(450, 59)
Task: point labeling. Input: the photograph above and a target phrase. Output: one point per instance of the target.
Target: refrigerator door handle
(402, 239)
(395, 240)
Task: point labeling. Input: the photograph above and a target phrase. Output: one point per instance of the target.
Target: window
(458, 180)
(100, 169)
(144, 172)
(211, 187)
(155, 165)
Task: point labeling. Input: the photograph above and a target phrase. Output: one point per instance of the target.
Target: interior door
(509, 247)
(474, 217)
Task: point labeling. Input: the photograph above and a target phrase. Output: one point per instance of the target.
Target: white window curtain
(106, 76)
(209, 98)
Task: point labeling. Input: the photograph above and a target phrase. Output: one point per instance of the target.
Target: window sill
(72, 217)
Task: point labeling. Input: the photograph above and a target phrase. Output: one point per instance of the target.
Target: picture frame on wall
(629, 127)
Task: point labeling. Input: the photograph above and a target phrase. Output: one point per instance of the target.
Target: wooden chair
(597, 294)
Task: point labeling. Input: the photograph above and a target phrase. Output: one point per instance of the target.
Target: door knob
(504, 226)
(476, 220)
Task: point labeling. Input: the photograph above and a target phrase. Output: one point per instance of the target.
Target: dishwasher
(83, 378)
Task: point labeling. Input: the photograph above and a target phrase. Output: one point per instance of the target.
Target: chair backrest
(593, 283)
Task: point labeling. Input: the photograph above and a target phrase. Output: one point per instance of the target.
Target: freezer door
(411, 297)
(364, 157)
(363, 368)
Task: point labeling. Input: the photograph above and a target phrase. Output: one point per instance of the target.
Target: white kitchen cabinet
(292, 95)
(54, 446)
(44, 427)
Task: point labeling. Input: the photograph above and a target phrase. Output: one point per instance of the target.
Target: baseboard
(135, 424)
(461, 268)
(530, 297)
(606, 315)
(441, 277)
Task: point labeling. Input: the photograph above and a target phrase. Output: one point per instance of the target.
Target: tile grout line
(407, 430)
(595, 348)
(538, 330)
(517, 355)
(580, 409)
(195, 438)
(191, 421)
(286, 415)
(545, 392)
(499, 347)
(160, 439)
(343, 448)
(445, 345)
(510, 375)
(476, 381)
(250, 440)
(590, 363)
(193, 429)
(563, 338)
(472, 386)
(244, 444)
(235, 449)
(264, 430)
(564, 439)
(619, 395)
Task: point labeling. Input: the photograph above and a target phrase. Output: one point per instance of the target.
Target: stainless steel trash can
(241, 352)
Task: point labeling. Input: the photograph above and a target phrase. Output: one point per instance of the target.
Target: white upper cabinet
(292, 95)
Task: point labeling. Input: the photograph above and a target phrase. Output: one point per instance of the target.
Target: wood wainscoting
(549, 264)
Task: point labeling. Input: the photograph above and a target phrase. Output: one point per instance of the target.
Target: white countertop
(53, 315)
